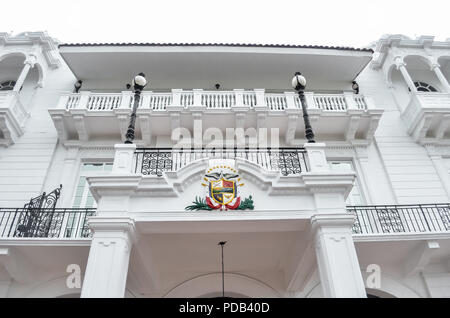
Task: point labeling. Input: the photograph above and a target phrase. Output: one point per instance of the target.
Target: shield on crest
(222, 191)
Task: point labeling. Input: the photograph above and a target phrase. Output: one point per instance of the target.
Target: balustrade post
(350, 101)
(198, 98)
(260, 99)
(309, 98)
(125, 102)
(83, 100)
(239, 97)
(370, 104)
(63, 101)
(290, 100)
(176, 98)
(145, 98)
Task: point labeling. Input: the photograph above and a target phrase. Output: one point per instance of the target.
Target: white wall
(24, 165)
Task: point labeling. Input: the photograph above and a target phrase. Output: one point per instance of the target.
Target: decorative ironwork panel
(289, 161)
(390, 220)
(417, 218)
(38, 218)
(155, 163)
(356, 228)
(444, 213)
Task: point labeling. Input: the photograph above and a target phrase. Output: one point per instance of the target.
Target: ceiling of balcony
(112, 67)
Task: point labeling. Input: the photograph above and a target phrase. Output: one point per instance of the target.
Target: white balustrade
(159, 101)
(213, 100)
(332, 102)
(187, 99)
(360, 103)
(72, 101)
(276, 101)
(100, 102)
(218, 100)
(249, 98)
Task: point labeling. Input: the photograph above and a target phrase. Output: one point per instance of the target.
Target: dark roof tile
(224, 44)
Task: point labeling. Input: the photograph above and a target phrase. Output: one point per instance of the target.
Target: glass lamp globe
(298, 81)
(140, 81)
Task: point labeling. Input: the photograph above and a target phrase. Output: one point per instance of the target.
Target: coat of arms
(221, 184)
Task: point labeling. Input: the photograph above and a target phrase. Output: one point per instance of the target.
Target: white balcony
(12, 117)
(427, 117)
(92, 116)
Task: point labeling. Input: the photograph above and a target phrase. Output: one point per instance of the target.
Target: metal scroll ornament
(221, 184)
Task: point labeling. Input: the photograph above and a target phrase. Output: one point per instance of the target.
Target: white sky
(339, 22)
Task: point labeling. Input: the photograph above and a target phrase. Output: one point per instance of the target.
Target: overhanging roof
(201, 65)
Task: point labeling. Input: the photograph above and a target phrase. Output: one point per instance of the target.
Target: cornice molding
(401, 43)
(48, 44)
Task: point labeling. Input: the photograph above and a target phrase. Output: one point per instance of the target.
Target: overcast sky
(340, 22)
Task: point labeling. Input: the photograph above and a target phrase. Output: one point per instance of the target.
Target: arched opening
(74, 295)
(377, 293)
(209, 285)
(10, 67)
(423, 77)
(227, 295)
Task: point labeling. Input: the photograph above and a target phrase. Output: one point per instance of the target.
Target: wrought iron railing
(72, 223)
(401, 218)
(155, 161)
(45, 222)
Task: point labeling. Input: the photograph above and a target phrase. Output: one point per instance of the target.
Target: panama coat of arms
(221, 183)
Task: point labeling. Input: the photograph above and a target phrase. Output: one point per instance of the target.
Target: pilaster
(123, 158)
(109, 256)
(339, 270)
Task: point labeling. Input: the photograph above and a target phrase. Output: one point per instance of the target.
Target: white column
(109, 256)
(402, 67)
(436, 69)
(28, 64)
(339, 270)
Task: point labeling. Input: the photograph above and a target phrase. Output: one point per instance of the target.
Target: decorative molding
(49, 45)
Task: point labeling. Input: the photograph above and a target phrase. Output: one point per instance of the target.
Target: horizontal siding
(413, 176)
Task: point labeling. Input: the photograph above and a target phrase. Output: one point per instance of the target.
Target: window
(355, 197)
(7, 86)
(83, 197)
(424, 87)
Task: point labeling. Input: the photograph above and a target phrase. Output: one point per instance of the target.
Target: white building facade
(220, 154)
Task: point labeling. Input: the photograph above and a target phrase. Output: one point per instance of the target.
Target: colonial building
(92, 208)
